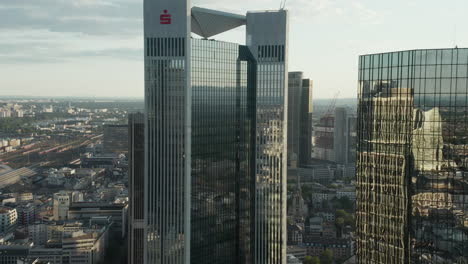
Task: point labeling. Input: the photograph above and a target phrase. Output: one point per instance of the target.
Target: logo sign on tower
(165, 19)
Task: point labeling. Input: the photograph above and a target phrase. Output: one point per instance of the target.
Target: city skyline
(51, 41)
(226, 132)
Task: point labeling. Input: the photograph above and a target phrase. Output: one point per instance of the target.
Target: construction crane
(332, 105)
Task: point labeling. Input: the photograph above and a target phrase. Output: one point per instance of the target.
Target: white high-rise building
(8, 218)
(61, 206)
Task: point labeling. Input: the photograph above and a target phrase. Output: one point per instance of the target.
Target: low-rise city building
(8, 219)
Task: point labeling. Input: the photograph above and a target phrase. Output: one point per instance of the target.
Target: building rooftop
(208, 22)
(5, 209)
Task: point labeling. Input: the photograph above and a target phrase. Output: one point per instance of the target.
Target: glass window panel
(367, 59)
(375, 74)
(431, 57)
(405, 83)
(418, 85)
(405, 58)
(462, 56)
(420, 57)
(431, 71)
(405, 72)
(385, 73)
(462, 71)
(445, 86)
(385, 60)
(429, 86)
(460, 86)
(394, 72)
(447, 56)
(419, 71)
(366, 74)
(395, 59)
(446, 71)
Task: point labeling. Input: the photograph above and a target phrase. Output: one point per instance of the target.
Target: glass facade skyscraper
(215, 132)
(136, 173)
(223, 101)
(412, 160)
(299, 119)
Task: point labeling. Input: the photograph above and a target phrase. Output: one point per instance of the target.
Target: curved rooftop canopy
(207, 22)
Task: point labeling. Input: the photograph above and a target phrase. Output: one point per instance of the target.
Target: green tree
(327, 257)
(339, 221)
(311, 260)
(343, 203)
(348, 218)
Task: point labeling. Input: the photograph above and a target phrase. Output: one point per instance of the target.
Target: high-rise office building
(299, 119)
(215, 136)
(115, 138)
(136, 172)
(412, 160)
(335, 137)
(339, 135)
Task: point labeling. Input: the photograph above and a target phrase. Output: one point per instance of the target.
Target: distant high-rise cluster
(412, 157)
(335, 137)
(299, 119)
(215, 136)
(136, 177)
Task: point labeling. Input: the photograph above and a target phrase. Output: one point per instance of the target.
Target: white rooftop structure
(207, 23)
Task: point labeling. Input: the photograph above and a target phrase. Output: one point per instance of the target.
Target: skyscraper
(115, 138)
(412, 157)
(299, 118)
(136, 172)
(215, 136)
(335, 137)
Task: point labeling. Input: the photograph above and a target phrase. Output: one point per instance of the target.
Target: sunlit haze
(94, 47)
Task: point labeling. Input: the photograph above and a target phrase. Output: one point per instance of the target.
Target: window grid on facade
(412, 157)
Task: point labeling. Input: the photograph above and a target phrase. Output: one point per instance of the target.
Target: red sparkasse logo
(165, 19)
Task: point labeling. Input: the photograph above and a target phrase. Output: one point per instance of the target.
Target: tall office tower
(136, 172)
(412, 160)
(215, 136)
(115, 138)
(351, 138)
(335, 137)
(299, 119)
(340, 144)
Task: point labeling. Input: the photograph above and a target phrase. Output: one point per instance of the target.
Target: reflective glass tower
(299, 119)
(412, 160)
(136, 212)
(215, 136)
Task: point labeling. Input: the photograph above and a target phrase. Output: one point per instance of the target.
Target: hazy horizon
(93, 48)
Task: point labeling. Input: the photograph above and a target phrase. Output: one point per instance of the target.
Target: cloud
(60, 30)
(84, 16)
(365, 14)
(44, 46)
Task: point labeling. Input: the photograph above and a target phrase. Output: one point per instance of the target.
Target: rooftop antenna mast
(455, 17)
(283, 4)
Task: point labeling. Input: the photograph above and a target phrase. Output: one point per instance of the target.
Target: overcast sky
(94, 47)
